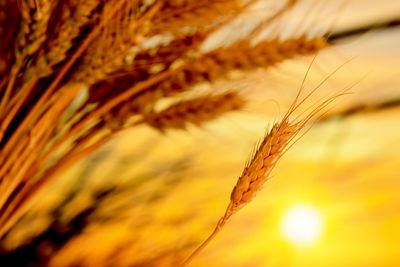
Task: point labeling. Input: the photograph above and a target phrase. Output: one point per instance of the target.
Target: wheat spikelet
(195, 111)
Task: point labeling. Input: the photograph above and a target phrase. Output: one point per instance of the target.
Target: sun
(302, 225)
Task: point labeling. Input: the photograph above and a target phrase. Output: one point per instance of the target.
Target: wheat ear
(275, 144)
(196, 111)
(75, 14)
(256, 173)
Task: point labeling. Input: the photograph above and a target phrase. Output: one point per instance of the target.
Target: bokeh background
(148, 198)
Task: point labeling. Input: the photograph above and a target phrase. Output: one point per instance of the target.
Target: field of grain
(131, 130)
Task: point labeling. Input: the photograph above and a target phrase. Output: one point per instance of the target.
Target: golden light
(302, 225)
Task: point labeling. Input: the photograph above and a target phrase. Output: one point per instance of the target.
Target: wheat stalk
(256, 173)
(275, 144)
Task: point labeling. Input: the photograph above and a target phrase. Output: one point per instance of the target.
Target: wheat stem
(217, 229)
(23, 201)
(109, 105)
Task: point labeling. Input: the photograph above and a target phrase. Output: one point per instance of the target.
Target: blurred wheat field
(149, 197)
